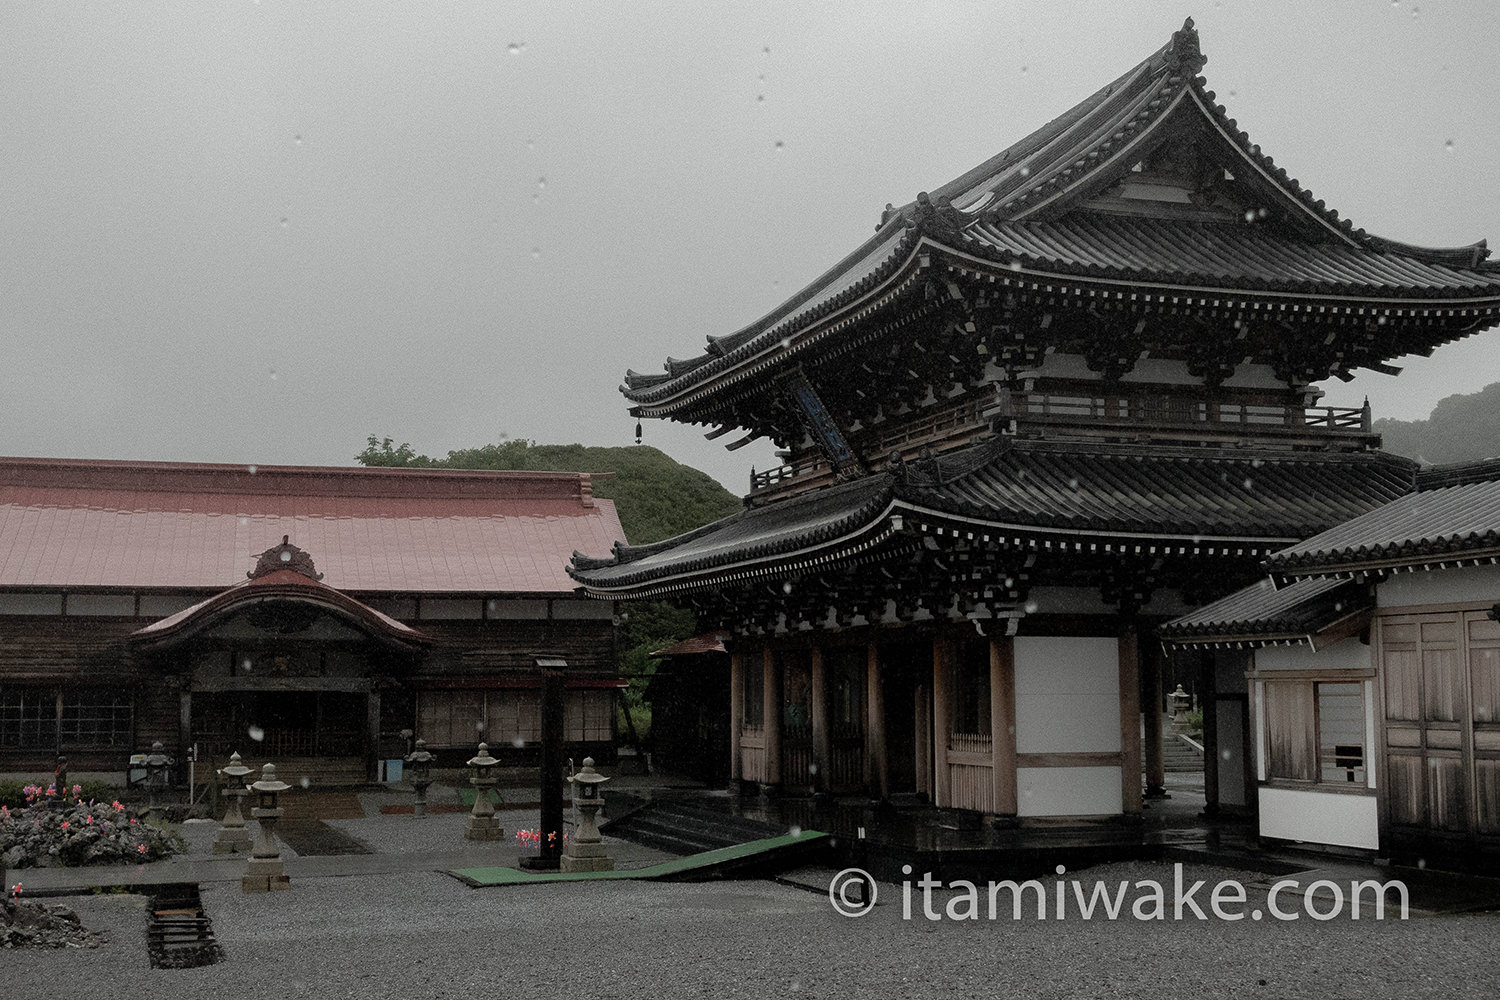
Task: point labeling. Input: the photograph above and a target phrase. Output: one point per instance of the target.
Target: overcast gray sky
(260, 231)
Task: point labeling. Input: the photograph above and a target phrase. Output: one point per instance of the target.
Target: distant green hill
(1462, 428)
(656, 496)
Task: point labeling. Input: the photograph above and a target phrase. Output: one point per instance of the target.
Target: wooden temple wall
(1028, 726)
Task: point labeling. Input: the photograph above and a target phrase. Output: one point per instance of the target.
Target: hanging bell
(637, 432)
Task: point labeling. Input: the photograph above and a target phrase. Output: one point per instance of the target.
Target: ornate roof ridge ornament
(1183, 54)
(284, 556)
(938, 216)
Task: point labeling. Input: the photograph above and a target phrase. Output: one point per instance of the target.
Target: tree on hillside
(656, 496)
(1461, 428)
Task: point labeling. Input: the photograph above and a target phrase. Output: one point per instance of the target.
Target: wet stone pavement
(391, 924)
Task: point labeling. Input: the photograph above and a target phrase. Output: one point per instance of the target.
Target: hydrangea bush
(60, 828)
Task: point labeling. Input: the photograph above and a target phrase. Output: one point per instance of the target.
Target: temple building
(1046, 407)
(305, 616)
(1371, 662)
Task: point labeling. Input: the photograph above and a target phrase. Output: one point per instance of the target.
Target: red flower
(66, 824)
(141, 848)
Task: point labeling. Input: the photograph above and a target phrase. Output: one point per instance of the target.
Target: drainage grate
(179, 934)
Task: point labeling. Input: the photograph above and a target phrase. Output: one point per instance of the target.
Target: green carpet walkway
(702, 863)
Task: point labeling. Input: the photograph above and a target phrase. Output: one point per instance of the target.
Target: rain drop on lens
(256, 733)
(306, 782)
(518, 743)
(1448, 145)
(780, 145)
(536, 253)
(514, 48)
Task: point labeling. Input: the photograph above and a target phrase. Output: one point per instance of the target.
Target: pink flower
(89, 821)
(66, 824)
(118, 807)
(77, 791)
(141, 848)
(132, 821)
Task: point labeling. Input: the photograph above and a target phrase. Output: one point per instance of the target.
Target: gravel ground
(417, 935)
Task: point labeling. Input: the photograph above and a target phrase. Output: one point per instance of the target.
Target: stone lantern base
(265, 875)
(585, 857)
(483, 828)
(232, 840)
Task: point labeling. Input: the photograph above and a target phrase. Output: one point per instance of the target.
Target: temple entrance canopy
(1048, 405)
(284, 667)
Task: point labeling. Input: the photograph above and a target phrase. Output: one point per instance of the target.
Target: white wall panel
(1440, 586)
(1067, 695)
(1069, 791)
(1319, 817)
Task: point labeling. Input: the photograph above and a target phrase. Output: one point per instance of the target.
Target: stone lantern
(482, 825)
(233, 837)
(265, 873)
(419, 768)
(585, 852)
(1180, 701)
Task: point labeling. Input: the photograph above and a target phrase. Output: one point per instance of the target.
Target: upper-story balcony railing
(1175, 413)
(1165, 418)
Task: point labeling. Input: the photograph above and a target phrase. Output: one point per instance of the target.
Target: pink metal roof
(71, 523)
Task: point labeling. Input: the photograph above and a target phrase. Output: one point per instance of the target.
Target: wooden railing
(1169, 411)
(969, 742)
(943, 429)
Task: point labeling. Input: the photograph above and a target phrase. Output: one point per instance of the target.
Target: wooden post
(372, 734)
(736, 711)
(942, 669)
(184, 726)
(1130, 719)
(771, 715)
(875, 764)
(1208, 685)
(551, 777)
(1151, 688)
(922, 727)
(821, 757)
(1003, 723)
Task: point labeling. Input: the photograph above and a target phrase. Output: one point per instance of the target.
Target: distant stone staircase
(1178, 755)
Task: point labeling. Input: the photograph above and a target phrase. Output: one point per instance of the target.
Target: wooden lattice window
(28, 718)
(95, 718)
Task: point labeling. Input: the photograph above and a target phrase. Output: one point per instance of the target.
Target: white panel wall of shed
(1459, 585)
(1319, 817)
(1347, 654)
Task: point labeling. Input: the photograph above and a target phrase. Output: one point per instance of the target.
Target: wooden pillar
(1003, 723)
(1130, 719)
(821, 757)
(184, 726)
(942, 671)
(1150, 668)
(773, 711)
(876, 774)
(372, 735)
(736, 711)
(1208, 687)
(922, 726)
